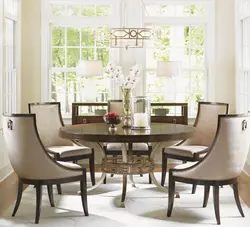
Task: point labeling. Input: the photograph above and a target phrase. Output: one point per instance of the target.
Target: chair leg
(216, 203)
(171, 192)
(38, 201)
(83, 188)
(237, 199)
(19, 196)
(206, 195)
(194, 188)
(50, 193)
(92, 167)
(59, 189)
(163, 167)
(149, 179)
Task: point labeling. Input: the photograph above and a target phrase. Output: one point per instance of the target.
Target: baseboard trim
(8, 191)
(244, 188)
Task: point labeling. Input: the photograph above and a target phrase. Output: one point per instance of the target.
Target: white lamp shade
(90, 68)
(168, 68)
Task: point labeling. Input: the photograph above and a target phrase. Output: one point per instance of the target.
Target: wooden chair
(222, 164)
(195, 148)
(115, 149)
(32, 163)
(49, 120)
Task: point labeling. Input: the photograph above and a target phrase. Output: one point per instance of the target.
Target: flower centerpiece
(112, 119)
(127, 84)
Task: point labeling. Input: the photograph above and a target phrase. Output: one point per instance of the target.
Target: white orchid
(128, 82)
(110, 67)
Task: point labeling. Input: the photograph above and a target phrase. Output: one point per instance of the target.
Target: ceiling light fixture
(129, 37)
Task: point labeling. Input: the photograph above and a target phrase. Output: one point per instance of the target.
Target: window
(244, 67)
(1, 62)
(181, 30)
(78, 31)
(11, 14)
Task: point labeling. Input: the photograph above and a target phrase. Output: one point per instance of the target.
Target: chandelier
(129, 37)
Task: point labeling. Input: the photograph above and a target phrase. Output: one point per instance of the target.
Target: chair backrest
(26, 151)
(228, 153)
(115, 106)
(49, 120)
(206, 123)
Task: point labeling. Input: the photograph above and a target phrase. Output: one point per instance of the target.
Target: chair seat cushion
(70, 165)
(68, 151)
(184, 166)
(136, 146)
(185, 151)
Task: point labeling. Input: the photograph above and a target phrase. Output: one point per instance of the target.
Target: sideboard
(83, 113)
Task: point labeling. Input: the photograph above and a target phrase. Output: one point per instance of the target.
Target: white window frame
(240, 16)
(47, 20)
(1, 61)
(209, 47)
(15, 84)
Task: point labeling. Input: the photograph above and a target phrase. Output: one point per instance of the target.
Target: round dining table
(95, 135)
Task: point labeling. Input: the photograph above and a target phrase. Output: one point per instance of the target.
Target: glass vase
(127, 94)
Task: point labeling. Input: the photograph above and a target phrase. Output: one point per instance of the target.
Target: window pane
(58, 57)
(103, 10)
(176, 10)
(88, 38)
(73, 37)
(57, 84)
(58, 10)
(73, 10)
(88, 11)
(88, 54)
(103, 54)
(58, 36)
(73, 57)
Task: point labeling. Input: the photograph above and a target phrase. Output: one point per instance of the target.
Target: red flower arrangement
(111, 115)
(112, 118)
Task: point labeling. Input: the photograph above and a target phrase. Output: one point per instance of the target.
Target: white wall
(31, 53)
(225, 70)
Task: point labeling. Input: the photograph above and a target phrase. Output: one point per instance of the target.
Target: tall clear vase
(127, 95)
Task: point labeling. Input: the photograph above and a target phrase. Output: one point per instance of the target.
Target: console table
(83, 113)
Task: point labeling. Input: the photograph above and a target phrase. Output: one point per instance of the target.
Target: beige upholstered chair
(194, 148)
(49, 120)
(32, 163)
(114, 149)
(222, 164)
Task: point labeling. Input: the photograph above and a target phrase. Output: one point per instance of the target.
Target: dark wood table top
(98, 132)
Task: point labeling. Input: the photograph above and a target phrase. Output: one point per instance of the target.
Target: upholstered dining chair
(32, 163)
(49, 120)
(115, 149)
(222, 164)
(195, 148)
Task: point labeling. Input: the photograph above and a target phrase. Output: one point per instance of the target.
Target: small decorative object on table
(127, 84)
(112, 119)
(141, 108)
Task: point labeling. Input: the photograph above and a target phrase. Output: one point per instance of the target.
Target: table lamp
(89, 68)
(169, 69)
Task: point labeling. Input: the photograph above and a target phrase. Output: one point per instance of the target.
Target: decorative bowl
(112, 119)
